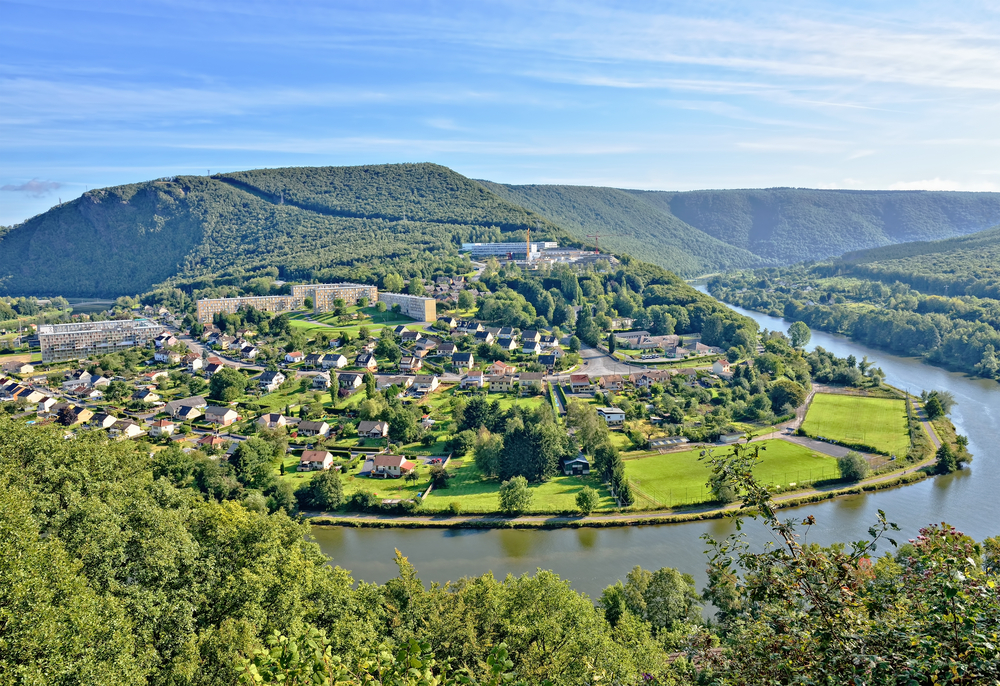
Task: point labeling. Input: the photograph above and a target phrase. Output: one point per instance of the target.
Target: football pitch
(877, 422)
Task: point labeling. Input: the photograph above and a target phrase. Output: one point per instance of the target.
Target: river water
(591, 559)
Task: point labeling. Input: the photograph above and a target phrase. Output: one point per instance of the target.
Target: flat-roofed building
(504, 249)
(61, 342)
(413, 306)
(208, 308)
(323, 295)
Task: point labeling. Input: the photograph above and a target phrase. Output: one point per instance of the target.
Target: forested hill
(626, 223)
(326, 223)
(755, 227)
(967, 265)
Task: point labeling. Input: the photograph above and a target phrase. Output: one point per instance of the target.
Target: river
(591, 559)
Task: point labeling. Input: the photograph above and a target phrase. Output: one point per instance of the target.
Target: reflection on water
(587, 538)
(592, 559)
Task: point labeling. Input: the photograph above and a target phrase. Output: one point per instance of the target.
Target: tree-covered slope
(790, 225)
(627, 224)
(306, 222)
(967, 265)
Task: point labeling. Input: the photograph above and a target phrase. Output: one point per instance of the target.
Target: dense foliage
(960, 332)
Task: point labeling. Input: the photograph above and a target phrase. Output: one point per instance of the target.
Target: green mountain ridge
(339, 222)
(717, 230)
(626, 223)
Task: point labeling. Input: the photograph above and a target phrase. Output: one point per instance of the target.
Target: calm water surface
(594, 558)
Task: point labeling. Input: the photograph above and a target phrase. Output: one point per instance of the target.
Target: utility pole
(595, 236)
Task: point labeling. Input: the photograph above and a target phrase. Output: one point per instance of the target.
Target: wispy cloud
(937, 184)
(34, 188)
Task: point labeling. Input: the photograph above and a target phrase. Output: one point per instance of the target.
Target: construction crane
(595, 236)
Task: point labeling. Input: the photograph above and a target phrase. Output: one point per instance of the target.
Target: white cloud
(938, 184)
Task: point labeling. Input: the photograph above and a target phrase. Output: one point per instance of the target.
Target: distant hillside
(334, 222)
(695, 232)
(794, 224)
(628, 224)
(967, 265)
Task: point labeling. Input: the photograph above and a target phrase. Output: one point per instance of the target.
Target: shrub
(455, 507)
(853, 466)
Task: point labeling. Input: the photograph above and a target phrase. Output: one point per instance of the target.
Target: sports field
(679, 478)
(877, 422)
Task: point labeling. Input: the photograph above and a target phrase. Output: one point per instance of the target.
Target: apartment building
(412, 306)
(61, 342)
(323, 296)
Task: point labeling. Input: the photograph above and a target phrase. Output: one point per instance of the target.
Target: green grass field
(877, 422)
(477, 494)
(679, 478)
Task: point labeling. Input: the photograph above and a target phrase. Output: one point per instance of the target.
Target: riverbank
(881, 482)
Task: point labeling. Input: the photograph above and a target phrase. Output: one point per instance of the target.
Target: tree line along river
(594, 558)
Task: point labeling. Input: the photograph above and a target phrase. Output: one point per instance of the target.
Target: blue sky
(664, 95)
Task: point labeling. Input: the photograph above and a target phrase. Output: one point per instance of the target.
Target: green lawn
(477, 494)
(876, 422)
(679, 478)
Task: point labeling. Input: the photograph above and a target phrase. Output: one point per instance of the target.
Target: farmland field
(876, 422)
(679, 478)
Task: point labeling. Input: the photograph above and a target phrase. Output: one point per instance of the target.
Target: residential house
(102, 420)
(612, 416)
(411, 336)
(484, 337)
(210, 442)
(505, 333)
(502, 368)
(411, 364)
(77, 378)
(531, 382)
(293, 357)
(167, 356)
(99, 382)
(310, 428)
(449, 321)
(150, 377)
(17, 367)
(85, 393)
(213, 367)
(548, 361)
(187, 414)
(474, 379)
(315, 460)
(577, 466)
(425, 345)
(125, 428)
(373, 429)
(463, 360)
(391, 466)
(531, 348)
(501, 383)
(145, 396)
(334, 361)
(702, 349)
(223, 416)
(174, 407)
(270, 381)
(322, 381)
(400, 330)
(580, 383)
(313, 360)
(447, 348)
(612, 382)
(366, 361)
(647, 379)
(689, 375)
(469, 327)
(193, 362)
(249, 352)
(350, 380)
(425, 383)
(548, 341)
(165, 341)
(508, 344)
(403, 382)
(530, 336)
(224, 342)
(162, 427)
(45, 405)
(273, 420)
(720, 366)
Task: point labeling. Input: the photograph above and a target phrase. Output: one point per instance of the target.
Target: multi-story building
(62, 342)
(504, 249)
(413, 306)
(323, 296)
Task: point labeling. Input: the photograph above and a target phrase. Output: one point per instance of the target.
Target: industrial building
(413, 306)
(507, 249)
(61, 342)
(323, 295)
